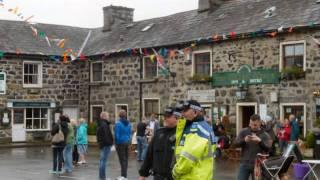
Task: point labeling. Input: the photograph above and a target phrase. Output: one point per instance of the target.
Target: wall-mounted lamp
(241, 92)
(316, 93)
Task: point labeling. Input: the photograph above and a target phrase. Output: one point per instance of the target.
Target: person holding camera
(252, 141)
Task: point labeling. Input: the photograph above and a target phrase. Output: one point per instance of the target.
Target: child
(284, 135)
(82, 140)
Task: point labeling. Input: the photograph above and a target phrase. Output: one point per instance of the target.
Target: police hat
(191, 104)
(168, 111)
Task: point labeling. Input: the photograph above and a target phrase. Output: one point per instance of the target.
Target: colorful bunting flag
(42, 35)
(216, 37)
(290, 30)
(273, 34)
(233, 35)
(82, 57)
(48, 41)
(280, 29)
(172, 54)
(61, 43)
(27, 19)
(1, 54)
(34, 31)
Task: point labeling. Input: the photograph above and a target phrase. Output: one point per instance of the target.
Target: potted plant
(200, 78)
(292, 73)
(92, 130)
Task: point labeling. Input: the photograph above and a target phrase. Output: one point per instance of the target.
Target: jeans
(104, 154)
(57, 158)
(67, 154)
(142, 146)
(245, 171)
(283, 145)
(123, 153)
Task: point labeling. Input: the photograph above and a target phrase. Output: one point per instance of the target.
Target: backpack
(58, 137)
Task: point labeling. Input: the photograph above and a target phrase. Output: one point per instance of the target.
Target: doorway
(18, 126)
(244, 111)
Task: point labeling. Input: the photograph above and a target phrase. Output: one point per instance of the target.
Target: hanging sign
(3, 83)
(202, 95)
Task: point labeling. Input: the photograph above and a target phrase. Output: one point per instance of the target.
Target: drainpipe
(140, 84)
(89, 90)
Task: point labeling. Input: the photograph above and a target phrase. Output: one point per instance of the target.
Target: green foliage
(292, 73)
(201, 78)
(310, 140)
(92, 128)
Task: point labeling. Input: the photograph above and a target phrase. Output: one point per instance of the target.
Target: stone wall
(121, 75)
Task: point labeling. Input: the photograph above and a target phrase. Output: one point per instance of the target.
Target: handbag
(58, 137)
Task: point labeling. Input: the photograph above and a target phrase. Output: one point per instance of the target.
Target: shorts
(82, 148)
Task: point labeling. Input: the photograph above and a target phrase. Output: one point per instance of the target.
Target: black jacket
(104, 135)
(160, 155)
(55, 130)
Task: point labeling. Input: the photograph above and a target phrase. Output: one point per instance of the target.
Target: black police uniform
(159, 160)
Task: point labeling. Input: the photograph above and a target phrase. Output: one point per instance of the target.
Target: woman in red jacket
(284, 135)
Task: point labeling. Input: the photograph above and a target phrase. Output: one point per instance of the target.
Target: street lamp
(241, 92)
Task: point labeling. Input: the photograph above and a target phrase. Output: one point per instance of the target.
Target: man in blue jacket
(294, 128)
(122, 135)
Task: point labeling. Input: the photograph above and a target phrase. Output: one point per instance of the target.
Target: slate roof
(18, 35)
(240, 16)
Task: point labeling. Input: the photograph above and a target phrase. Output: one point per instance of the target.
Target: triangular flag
(73, 57)
(82, 57)
(42, 34)
(224, 37)
(172, 54)
(61, 43)
(273, 34)
(48, 41)
(1, 54)
(34, 31)
(233, 35)
(216, 37)
(152, 58)
(290, 30)
(65, 58)
(280, 29)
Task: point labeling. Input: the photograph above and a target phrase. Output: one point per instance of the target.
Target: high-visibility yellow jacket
(195, 145)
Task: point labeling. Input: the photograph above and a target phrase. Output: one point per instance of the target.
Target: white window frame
(91, 111)
(33, 130)
(304, 114)
(144, 60)
(39, 84)
(193, 59)
(116, 110)
(91, 71)
(144, 104)
(282, 44)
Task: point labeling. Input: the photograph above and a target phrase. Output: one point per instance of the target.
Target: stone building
(236, 57)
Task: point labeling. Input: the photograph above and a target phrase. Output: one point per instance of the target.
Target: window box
(201, 78)
(292, 73)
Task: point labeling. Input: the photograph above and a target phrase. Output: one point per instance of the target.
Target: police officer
(160, 155)
(195, 145)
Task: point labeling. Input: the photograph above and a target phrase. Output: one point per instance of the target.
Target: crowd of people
(184, 148)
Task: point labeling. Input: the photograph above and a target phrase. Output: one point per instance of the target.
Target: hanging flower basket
(292, 73)
(201, 78)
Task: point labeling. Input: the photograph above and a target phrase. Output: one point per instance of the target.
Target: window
(119, 107)
(317, 112)
(96, 72)
(202, 63)
(36, 118)
(151, 106)
(150, 68)
(95, 112)
(32, 74)
(299, 110)
(293, 55)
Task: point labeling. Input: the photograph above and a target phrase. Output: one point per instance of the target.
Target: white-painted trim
(116, 111)
(92, 106)
(193, 58)
(143, 66)
(143, 109)
(239, 124)
(304, 114)
(91, 71)
(39, 84)
(289, 43)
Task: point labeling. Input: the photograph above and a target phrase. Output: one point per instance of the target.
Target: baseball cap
(191, 104)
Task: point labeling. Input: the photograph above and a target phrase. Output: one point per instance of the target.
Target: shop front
(30, 119)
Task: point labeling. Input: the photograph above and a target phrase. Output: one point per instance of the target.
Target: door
(244, 111)
(71, 112)
(18, 127)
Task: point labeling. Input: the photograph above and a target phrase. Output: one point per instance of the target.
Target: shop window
(202, 65)
(36, 118)
(32, 74)
(95, 112)
(150, 68)
(293, 56)
(151, 106)
(96, 72)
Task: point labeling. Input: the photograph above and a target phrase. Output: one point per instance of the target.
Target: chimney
(114, 15)
(209, 5)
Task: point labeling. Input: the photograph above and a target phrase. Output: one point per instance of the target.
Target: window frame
(40, 72)
(282, 113)
(91, 111)
(145, 58)
(283, 44)
(144, 106)
(91, 71)
(193, 61)
(48, 119)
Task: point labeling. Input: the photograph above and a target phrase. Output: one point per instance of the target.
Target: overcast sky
(88, 13)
